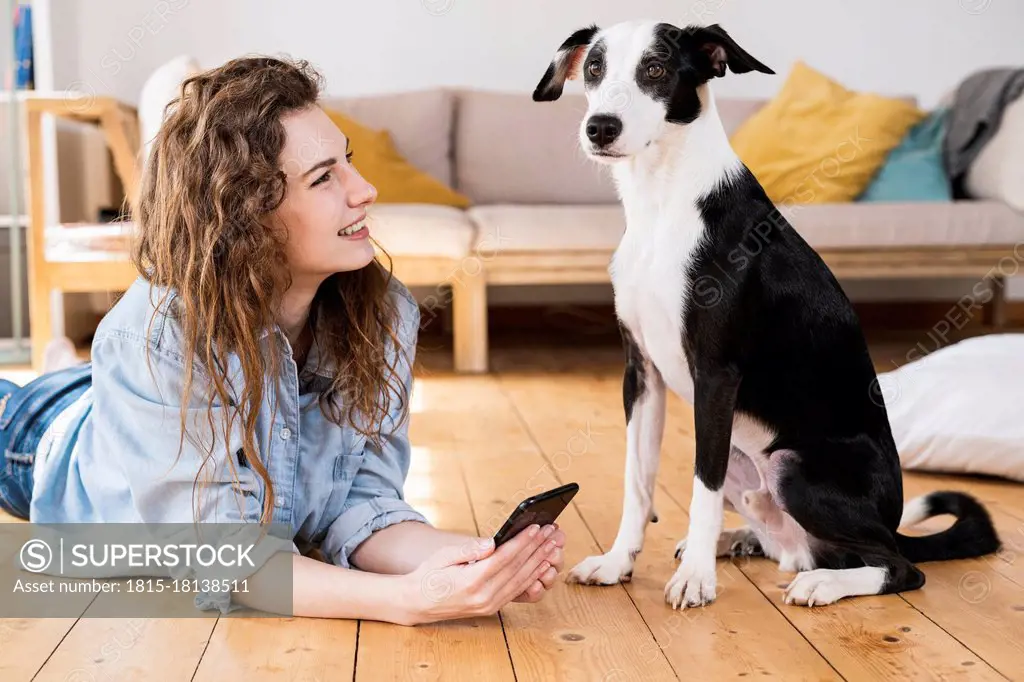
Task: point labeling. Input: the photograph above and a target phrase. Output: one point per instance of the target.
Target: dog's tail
(971, 535)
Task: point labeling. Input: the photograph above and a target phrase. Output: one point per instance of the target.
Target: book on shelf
(24, 72)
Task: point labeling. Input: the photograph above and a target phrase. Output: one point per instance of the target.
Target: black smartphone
(541, 509)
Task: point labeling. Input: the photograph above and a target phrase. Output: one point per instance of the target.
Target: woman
(259, 371)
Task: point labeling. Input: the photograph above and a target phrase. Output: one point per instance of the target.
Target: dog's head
(639, 78)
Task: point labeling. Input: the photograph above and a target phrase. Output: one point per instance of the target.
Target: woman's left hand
(536, 592)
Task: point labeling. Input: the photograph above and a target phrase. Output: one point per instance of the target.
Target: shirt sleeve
(376, 499)
(136, 420)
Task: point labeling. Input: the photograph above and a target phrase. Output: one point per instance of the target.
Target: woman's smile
(357, 230)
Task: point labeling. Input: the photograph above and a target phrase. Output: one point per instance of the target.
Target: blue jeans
(25, 414)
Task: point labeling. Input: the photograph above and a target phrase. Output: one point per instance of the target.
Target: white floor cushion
(958, 409)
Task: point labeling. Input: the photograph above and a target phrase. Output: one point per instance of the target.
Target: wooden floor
(542, 418)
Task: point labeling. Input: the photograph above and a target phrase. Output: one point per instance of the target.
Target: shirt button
(279, 502)
(286, 433)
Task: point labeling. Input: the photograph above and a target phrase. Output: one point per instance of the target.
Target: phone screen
(541, 510)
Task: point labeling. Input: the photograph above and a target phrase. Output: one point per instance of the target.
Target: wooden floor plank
(742, 633)
(128, 649)
(874, 638)
(435, 486)
(32, 640)
(574, 633)
(264, 649)
(979, 601)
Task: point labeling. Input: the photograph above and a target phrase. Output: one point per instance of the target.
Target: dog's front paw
(691, 585)
(605, 569)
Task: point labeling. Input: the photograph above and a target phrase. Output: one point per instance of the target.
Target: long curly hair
(208, 190)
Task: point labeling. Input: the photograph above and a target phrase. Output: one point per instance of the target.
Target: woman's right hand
(475, 579)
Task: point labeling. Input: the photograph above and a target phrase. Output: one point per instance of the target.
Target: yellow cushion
(817, 142)
(397, 181)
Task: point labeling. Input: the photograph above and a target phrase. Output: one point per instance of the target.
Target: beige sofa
(544, 214)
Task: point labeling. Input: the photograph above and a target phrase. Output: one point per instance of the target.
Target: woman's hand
(475, 579)
(535, 592)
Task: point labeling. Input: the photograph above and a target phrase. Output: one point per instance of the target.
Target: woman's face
(324, 209)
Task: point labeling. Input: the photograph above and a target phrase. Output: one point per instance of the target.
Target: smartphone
(541, 509)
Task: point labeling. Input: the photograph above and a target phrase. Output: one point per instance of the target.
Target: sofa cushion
(824, 226)
(506, 229)
(914, 170)
(421, 230)
(998, 170)
(420, 123)
(817, 142)
(401, 229)
(936, 224)
(512, 150)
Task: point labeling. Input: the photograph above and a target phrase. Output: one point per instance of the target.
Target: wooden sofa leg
(996, 313)
(469, 312)
(40, 321)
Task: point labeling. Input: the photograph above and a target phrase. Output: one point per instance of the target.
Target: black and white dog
(720, 300)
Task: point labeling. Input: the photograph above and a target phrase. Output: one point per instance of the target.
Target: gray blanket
(974, 118)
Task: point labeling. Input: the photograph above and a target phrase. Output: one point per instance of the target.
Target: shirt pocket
(346, 468)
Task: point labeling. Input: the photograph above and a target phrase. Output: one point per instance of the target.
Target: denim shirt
(113, 455)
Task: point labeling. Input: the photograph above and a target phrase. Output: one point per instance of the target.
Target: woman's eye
(655, 71)
(322, 179)
(594, 68)
(349, 155)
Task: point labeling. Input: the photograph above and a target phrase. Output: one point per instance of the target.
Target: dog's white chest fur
(649, 275)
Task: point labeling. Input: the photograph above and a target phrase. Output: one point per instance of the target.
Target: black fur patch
(675, 50)
(597, 56)
(634, 378)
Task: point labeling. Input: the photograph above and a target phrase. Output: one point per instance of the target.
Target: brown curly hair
(209, 187)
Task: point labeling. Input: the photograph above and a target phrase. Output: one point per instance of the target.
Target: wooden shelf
(7, 96)
(20, 220)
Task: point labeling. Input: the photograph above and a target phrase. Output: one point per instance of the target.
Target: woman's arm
(401, 548)
(459, 580)
(320, 590)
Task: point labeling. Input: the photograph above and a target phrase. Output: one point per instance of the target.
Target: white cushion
(998, 170)
(504, 229)
(159, 89)
(957, 409)
(421, 230)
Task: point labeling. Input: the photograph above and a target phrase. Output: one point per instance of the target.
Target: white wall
(916, 47)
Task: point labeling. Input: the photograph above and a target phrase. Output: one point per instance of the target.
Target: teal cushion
(914, 170)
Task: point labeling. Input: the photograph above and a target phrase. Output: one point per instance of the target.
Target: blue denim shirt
(113, 455)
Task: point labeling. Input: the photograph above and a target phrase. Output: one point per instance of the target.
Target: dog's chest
(650, 275)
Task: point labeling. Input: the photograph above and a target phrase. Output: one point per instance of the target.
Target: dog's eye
(655, 71)
(594, 69)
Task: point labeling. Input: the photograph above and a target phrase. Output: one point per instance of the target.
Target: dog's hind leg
(643, 394)
(853, 546)
(882, 572)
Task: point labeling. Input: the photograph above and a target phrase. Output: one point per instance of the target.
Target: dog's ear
(565, 65)
(723, 51)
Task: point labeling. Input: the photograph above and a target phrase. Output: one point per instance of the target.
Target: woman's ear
(565, 65)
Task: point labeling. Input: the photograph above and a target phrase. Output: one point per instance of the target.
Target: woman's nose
(360, 192)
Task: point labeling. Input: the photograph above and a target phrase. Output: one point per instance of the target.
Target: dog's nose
(603, 129)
